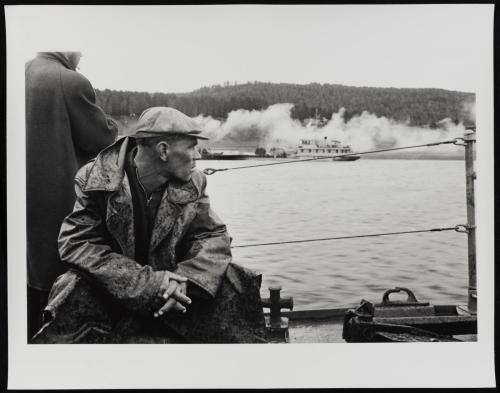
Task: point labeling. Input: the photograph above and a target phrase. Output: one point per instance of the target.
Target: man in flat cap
(150, 261)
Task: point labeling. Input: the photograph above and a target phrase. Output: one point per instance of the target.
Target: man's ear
(162, 149)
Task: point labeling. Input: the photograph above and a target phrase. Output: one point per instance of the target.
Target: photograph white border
(469, 364)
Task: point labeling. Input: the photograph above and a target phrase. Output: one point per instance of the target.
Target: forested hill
(422, 107)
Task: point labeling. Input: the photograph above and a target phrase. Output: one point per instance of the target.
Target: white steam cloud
(274, 127)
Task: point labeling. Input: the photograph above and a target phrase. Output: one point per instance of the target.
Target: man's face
(181, 159)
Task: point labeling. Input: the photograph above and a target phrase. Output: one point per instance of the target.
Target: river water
(321, 199)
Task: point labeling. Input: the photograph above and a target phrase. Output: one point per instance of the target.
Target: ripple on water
(314, 201)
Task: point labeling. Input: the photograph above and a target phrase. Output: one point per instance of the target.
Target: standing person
(150, 260)
(64, 129)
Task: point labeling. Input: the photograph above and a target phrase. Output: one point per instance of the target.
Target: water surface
(323, 198)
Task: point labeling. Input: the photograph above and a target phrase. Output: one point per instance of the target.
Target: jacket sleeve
(209, 248)
(91, 128)
(84, 243)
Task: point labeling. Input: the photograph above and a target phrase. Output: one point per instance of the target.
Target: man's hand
(173, 289)
(169, 283)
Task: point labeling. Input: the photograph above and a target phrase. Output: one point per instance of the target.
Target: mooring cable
(455, 141)
(457, 228)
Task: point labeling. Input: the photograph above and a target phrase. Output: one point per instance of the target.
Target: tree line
(418, 107)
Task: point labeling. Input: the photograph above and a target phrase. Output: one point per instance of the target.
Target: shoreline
(369, 157)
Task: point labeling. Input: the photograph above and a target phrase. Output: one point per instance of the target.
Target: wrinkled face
(181, 158)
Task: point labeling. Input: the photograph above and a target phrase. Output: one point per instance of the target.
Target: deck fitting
(276, 325)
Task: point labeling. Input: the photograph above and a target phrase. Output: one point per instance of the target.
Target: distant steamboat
(309, 148)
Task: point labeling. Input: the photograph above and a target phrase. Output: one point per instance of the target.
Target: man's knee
(76, 310)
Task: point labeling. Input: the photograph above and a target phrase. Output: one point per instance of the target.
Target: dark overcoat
(109, 297)
(64, 129)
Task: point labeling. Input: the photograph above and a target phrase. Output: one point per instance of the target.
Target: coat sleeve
(209, 248)
(91, 128)
(84, 243)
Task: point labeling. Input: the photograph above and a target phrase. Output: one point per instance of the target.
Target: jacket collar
(59, 56)
(108, 171)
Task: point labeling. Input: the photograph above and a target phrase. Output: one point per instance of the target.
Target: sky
(182, 48)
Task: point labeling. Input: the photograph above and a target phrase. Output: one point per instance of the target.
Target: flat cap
(162, 120)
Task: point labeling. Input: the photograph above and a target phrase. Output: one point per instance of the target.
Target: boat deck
(316, 326)
(325, 326)
(326, 331)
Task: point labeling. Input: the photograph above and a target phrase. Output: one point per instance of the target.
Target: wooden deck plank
(316, 331)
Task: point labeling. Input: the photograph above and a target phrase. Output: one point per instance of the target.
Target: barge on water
(207, 154)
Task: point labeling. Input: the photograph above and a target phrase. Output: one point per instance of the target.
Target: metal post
(275, 308)
(470, 176)
(276, 325)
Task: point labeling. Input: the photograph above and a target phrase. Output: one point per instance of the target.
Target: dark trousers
(37, 300)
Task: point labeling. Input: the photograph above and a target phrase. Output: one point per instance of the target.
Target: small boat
(315, 148)
(346, 158)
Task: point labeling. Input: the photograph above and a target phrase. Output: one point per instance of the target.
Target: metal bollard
(276, 325)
